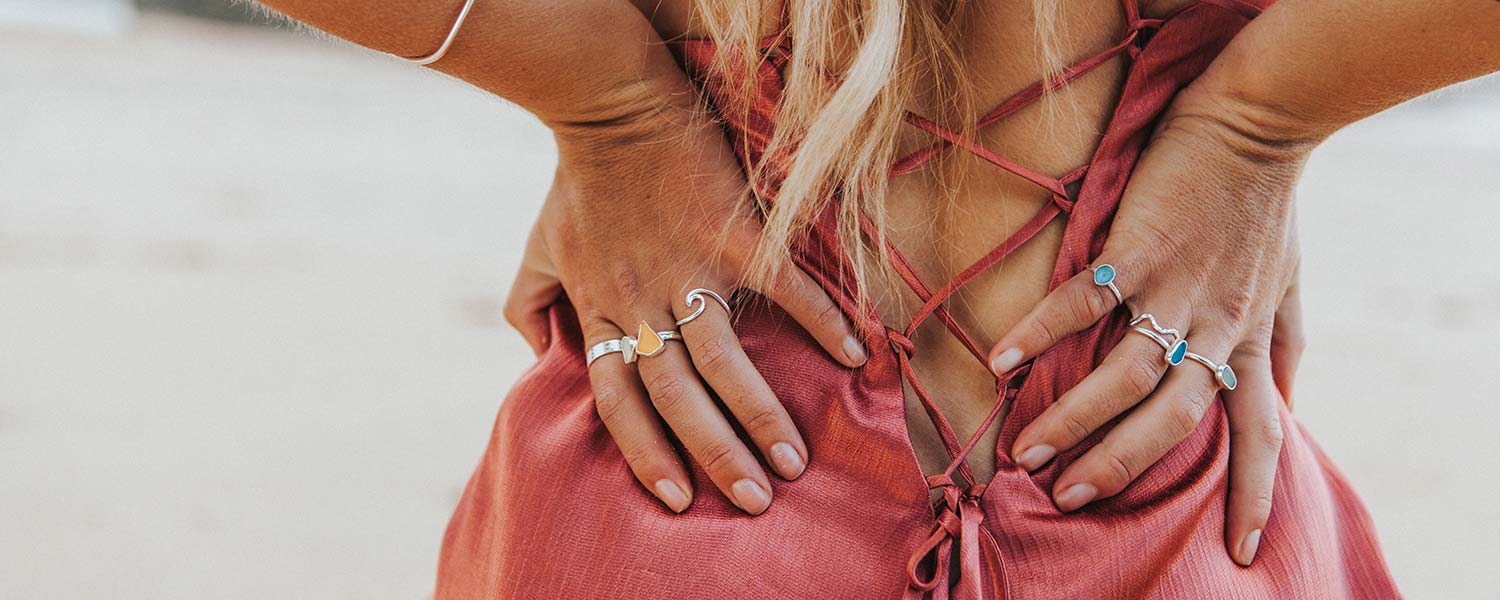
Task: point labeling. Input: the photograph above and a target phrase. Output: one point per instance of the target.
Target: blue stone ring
(1104, 275)
(1169, 339)
(1223, 374)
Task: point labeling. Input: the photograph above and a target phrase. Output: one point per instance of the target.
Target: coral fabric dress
(552, 511)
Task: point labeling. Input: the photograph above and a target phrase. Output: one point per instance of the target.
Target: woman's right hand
(641, 211)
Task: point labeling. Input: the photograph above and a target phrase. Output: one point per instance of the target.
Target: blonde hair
(855, 67)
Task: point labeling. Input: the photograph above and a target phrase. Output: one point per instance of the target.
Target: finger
(1166, 418)
(1287, 342)
(1130, 372)
(716, 352)
(680, 399)
(802, 298)
(1073, 306)
(628, 415)
(1254, 448)
(526, 306)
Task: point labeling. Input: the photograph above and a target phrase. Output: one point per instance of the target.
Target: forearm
(1306, 68)
(567, 61)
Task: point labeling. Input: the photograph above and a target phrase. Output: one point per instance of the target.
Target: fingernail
(1248, 546)
(750, 496)
(1036, 456)
(787, 461)
(1077, 495)
(1006, 361)
(854, 352)
(673, 495)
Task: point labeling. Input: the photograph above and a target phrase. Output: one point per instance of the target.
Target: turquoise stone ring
(1104, 275)
(1223, 374)
(1169, 339)
(1176, 353)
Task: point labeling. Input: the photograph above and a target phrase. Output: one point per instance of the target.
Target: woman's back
(552, 510)
(943, 219)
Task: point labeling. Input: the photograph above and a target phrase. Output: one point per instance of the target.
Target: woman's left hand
(1204, 240)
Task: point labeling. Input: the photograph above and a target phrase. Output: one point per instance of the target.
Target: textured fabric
(553, 511)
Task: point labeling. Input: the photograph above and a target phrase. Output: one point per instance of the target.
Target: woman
(1013, 339)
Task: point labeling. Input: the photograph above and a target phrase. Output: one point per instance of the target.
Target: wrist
(1246, 124)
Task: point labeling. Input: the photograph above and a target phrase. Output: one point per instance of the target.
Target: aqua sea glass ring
(1169, 339)
(1104, 276)
(1223, 374)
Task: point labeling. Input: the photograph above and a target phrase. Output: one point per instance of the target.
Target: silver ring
(697, 297)
(628, 346)
(1223, 374)
(605, 347)
(1104, 275)
(1169, 339)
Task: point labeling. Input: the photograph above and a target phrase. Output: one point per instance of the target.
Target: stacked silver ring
(629, 347)
(1169, 339)
(626, 347)
(1173, 345)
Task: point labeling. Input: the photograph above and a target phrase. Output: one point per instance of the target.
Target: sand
(250, 344)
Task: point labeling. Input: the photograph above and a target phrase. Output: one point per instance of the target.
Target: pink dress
(552, 511)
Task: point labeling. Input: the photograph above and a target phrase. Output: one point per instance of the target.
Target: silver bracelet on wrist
(447, 42)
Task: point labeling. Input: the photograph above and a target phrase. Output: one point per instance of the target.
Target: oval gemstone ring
(1169, 339)
(1223, 374)
(1104, 275)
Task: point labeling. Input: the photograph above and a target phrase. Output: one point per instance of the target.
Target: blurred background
(250, 279)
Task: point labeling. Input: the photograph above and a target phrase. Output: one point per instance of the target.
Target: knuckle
(669, 393)
(609, 402)
(1237, 306)
(1087, 305)
(1042, 331)
(711, 356)
(626, 285)
(1260, 503)
(1270, 434)
(1141, 375)
(1119, 473)
(1291, 343)
(828, 315)
(641, 458)
(1185, 414)
(512, 314)
(716, 455)
(761, 419)
(1077, 430)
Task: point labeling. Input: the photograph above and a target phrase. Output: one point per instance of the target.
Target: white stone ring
(647, 342)
(1169, 339)
(1223, 374)
(650, 342)
(1104, 275)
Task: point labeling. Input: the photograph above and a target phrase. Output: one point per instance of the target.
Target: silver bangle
(447, 42)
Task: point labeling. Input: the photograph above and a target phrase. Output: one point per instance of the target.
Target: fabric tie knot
(900, 342)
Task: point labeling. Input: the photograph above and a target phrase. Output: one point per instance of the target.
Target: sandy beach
(250, 342)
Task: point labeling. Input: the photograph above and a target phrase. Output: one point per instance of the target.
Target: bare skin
(595, 71)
